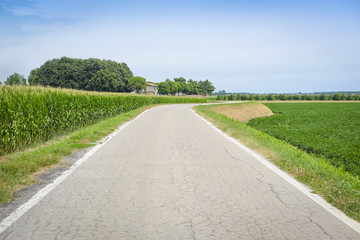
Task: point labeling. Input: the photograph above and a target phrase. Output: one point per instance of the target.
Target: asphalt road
(169, 175)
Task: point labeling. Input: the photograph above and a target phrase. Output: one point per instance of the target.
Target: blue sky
(243, 46)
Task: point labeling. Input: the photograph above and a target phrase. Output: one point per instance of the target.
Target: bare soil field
(244, 112)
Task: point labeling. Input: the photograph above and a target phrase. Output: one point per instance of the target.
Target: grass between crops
(337, 186)
(18, 169)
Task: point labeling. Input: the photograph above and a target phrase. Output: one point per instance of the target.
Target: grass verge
(338, 187)
(17, 169)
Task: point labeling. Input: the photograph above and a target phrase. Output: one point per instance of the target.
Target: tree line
(285, 97)
(104, 76)
(182, 86)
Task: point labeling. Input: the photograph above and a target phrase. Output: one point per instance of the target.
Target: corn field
(36, 114)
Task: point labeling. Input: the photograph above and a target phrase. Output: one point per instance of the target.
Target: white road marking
(15, 215)
(300, 186)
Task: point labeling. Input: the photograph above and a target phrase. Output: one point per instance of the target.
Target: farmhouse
(151, 89)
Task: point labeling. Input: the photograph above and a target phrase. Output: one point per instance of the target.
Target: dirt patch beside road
(244, 112)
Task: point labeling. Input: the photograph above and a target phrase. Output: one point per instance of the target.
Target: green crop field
(36, 114)
(329, 130)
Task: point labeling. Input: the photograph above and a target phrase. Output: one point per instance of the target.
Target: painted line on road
(15, 215)
(300, 186)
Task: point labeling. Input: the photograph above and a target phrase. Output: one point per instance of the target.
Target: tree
(33, 78)
(163, 88)
(309, 97)
(82, 74)
(181, 84)
(269, 97)
(336, 97)
(173, 87)
(296, 97)
(222, 92)
(206, 87)
(180, 80)
(348, 97)
(137, 84)
(15, 79)
(282, 97)
(103, 81)
(187, 88)
(181, 87)
(194, 87)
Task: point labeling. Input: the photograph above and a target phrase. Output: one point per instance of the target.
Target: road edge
(298, 185)
(21, 210)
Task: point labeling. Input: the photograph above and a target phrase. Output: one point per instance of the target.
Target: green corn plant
(36, 114)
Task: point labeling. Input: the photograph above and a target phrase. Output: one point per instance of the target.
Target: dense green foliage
(181, 86)
(85, 74)
(35, 114)
(164, 88)
(15, 79)
(330, 130)
(137, 84)
(285, 97)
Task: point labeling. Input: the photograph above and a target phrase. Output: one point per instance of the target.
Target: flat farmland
(328, 130)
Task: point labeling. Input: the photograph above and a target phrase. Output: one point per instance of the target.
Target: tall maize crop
(36, 114)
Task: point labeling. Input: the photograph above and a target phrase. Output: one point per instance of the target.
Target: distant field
(329, 130)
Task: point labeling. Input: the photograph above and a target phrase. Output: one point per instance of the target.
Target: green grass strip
(17, 169)
(337, 186)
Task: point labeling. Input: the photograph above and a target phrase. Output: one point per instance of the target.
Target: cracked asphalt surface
(168, 175)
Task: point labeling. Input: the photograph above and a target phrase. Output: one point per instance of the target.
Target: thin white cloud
(22, 11)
